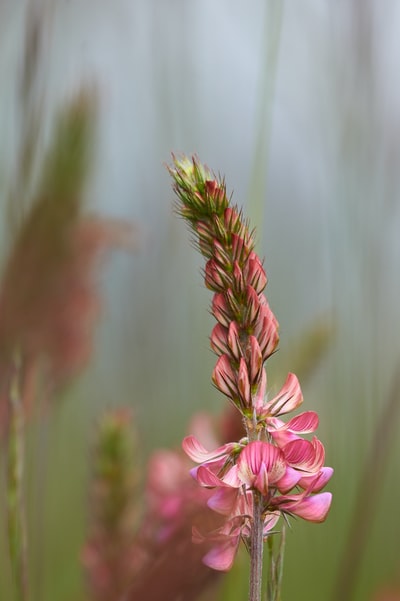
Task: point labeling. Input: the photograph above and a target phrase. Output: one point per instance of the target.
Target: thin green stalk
(256, 550)
(276, 566)
(16, 519)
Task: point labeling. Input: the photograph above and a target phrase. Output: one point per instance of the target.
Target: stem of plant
(15, 497)
(256, 551)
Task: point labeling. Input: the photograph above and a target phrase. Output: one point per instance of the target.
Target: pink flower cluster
(273, 465)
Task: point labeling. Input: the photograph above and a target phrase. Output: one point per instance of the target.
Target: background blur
(298, 105)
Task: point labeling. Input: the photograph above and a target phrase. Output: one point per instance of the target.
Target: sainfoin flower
(274, 464)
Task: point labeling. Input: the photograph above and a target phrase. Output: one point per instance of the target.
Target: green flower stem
(256, 550)
(15, 496)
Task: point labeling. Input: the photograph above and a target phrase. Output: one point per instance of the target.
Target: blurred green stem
(15, 496)
(276, 566)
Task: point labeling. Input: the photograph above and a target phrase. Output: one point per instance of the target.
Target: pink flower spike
(195, 450)
(313, 508)
(288, 399)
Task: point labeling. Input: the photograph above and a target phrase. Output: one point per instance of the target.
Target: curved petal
(303, 423)
(258, 398)
(255, 360)
(224, 377)
(290, 478)
(223, 501)
(270, 521)
(198, 453)
(220, 309)
(288, 398)
(315, 484)
(243, 383)
(305, 455)
(261, 480)
(234, 340)
(222, 556)
(206, 477)
(313, 508)
(266, 330)
(219, 339)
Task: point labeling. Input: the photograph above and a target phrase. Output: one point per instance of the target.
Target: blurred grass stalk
(265, 97)
(16, 509)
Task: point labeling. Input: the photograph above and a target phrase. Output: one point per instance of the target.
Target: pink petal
(223, 500)
(256, 359)
(234, 340)
(258, 398)
(238, 280)
(288, 399)
(215, 278)
(207, 478)
(256, 457)
(253, 307)
(290, 478)
(240, 247)
(220, 309)
(313, 508)
(315, 484)
(224, 377)
(270, 521)
(303, 423)
(266, 330)
(261, 481)
(255, 273)
(244, 383)
(305, 455)
(195, 450)
(222, 556)
(219, 340)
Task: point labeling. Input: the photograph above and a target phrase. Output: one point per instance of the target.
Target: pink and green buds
(273, 468)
